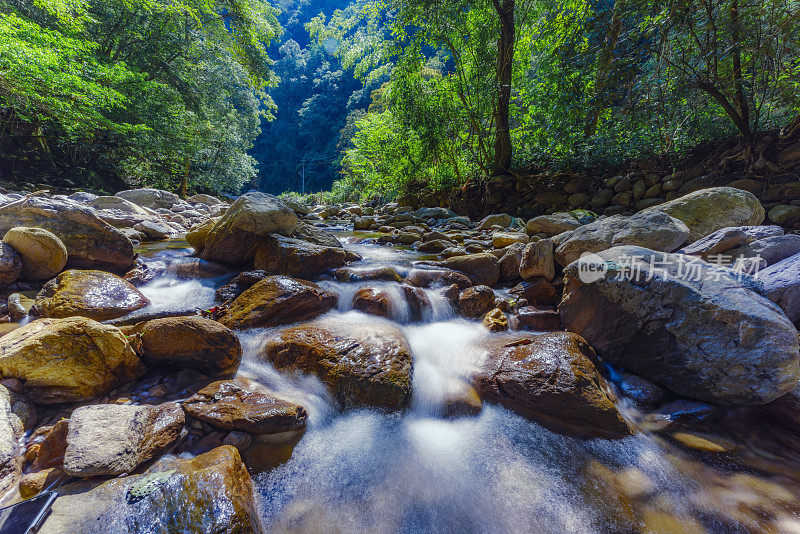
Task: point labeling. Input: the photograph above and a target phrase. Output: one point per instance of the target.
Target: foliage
(119, 93)
(592, 83)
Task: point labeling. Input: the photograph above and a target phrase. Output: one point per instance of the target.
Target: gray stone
(697, 329)
(728, 238)
(782, 285)
(551, 225)
(498, 219)
(708, 210)
(150, 198)
(537, 260)
(656, 231)
(111, 439)
(770, 249)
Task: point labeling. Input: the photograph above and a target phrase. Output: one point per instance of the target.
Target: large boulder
(278, 300)
(234, 405)
(552, 225)
(481, 269)
(193, 342)
(202, 198)
(91, 242)
(95, 294)
(197, 234)
(43, 254)
(700, 330)
(117, 203)
(294, 257)
(782, 285)
(246, 223)
(68, 360)
(111, 439)
(363, 364)
(318, 236)
(769, 250)
(10, 265)
(551, 378)
(150, 198)
(653, 230)
(209, 493)
(708, 210)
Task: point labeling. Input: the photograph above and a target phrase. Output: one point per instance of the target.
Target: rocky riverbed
(262, 365)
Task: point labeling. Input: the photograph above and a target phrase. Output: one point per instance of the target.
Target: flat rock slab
(111, 439)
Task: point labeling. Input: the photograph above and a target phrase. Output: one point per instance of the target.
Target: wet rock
(43, 254)
(495, 321)
(362, 364)
(293, 257)
(551, 225)
(653, 230)
(68, 360)
(434, 246)
(640, 389)
(318, 236)
(150, 198)
(709, 210)
(232, 405)
(475, 301)
(729, 238)
(19, 306)
(10, 265)
(537, 291)
(209, 493)
(278, 300)
(247, 222)
(685, 324)
(419, 305)
(91, 242)
(197, 234)
(111, 439)
(50, 450)
(481, 269)
(437, 278)
(782, 285)
(238, 285)
(374, 301)
(193, 342)
(361, 274)
(537, 260)
(95, 294)
(550, 378)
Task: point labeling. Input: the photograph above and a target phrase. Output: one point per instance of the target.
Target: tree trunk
(505, 57)
(739, 99)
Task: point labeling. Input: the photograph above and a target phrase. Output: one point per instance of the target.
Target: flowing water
(417, 471)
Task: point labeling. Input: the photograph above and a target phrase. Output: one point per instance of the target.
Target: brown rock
(475, 301)
(94, 294)
(437, 277)
(537, 291)
(232, 405)
(496, 321)
(363, 364)
(373, 301)
(194, 342)
(294, 257)
(33, 484)
(550, 378)
(543, 320)
(278, 300)
(537, 260)
(482, 269)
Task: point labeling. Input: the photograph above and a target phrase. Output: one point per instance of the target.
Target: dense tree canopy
(114, 93)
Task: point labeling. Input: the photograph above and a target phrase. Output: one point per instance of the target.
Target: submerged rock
(708, 210)
(43, 254)
(278, 300)
(94, 294)
(111, 439)
(551, 378)
(193, 342)
(232, 405)
(68, 360)
(251, 218)
(686, 324)
(209, 493)
(363, 364)
(91, 242)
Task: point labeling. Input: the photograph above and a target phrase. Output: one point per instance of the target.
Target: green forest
(374, 99)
